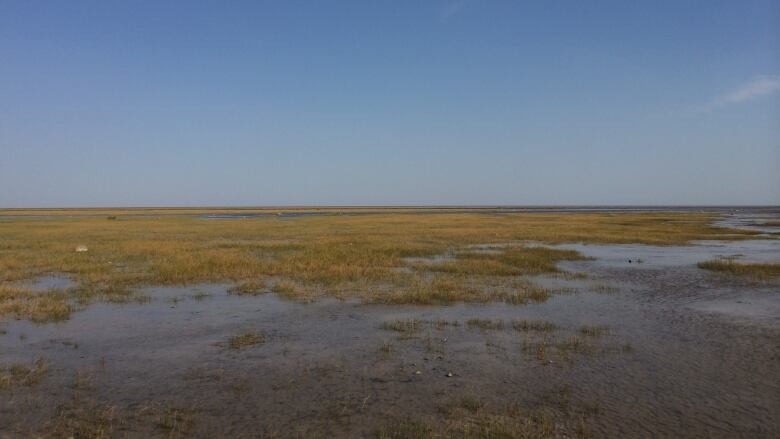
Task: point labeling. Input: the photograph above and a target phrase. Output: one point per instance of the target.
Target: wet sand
(687, 353)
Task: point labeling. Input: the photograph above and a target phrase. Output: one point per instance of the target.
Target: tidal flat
(389, 323)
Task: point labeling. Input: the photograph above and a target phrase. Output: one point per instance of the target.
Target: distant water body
(301, 211)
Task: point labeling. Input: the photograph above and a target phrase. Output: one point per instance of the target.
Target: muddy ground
(650, 348)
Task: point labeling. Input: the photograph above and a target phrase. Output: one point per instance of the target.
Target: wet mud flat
(654, 347)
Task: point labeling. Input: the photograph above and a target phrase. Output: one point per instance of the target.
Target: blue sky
(152, 103)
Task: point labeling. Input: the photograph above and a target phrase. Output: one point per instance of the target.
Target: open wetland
(390, 324)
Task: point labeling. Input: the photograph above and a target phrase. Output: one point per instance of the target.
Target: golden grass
(245, 340)
(199, 295)
(761, 271)
(445, 289)
(473, 422)
(175, 422)
(443, 323)
(23, 303)
(365, 255)
(249, 287)
(22, 374)
(485, 324)
(118, 212)
(558, 348)
(85, 421)
(284, 288)
(85, 417)
(534, 325)
(594, 330)
(407, 327)
(510, 262)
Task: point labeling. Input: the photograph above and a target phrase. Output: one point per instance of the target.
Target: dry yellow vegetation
(36, 306)
(375, 255)
(22, 374)
(757, 270)
(246, 339)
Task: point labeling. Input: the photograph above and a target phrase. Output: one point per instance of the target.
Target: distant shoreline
(260, 211)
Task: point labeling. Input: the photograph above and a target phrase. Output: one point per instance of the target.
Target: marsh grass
(175, 422)
(513, 261)
(530, 293)
(199, 295)
(83, 381)
(23, 303)
(443, 323)
(485, 324)
(604, 289)
(441, 289)
(534, 325)
(561, 347)
(285, 288)
(406, 429)
(471, 403)
(363, 256)
(85, 417)
(250, 287)
(85, 420)
(18, 374)
(386, 348)
(435, 290)
(431, 344)
(245, 340)
(407, 327)
(473, 422)
(574, 343)
(594, 330)
(756, 270)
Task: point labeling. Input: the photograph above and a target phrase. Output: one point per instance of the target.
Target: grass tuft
(22, 374)
(485, 324)
(407, 327)
(40, 307)
(534, 325)
(245, 340)
(406, 430)
(284, 287)
(761, 271)
(474, 424)
(594, 330)
(249, 287)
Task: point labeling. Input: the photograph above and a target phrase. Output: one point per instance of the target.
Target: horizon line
(397, 206)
